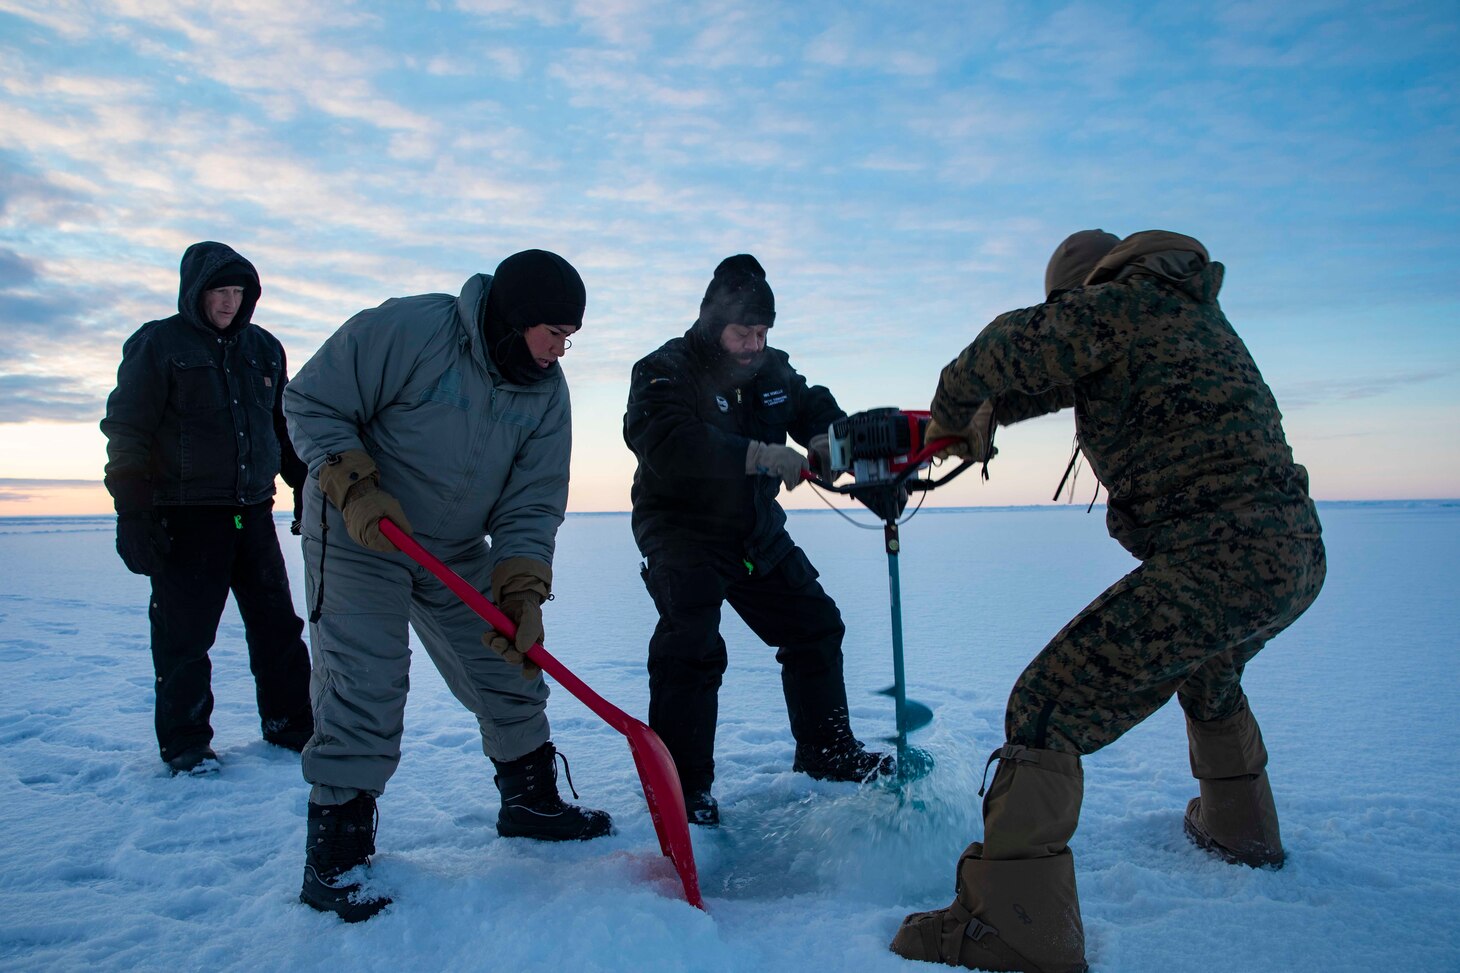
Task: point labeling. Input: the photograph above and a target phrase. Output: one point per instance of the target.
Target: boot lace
(353, 831)
(567, 774)
(535, 794)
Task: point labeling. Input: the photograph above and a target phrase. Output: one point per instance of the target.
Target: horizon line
(285, 515)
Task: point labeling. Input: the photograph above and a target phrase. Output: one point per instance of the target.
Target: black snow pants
(785, 607)
(216, 550)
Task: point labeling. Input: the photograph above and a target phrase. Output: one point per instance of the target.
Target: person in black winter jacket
(195, 437)
(708, 416)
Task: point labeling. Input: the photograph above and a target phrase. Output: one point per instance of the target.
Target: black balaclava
(738, 294)
(528, 288)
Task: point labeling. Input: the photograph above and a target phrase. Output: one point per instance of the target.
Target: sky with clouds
(902, 171)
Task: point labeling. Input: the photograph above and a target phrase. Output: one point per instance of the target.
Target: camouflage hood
(1173, 257)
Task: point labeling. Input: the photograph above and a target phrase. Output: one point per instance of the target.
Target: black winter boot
(341, 837)
(531, 807)
(701, 808)
(287, 734)
(199, 761)
(842, 758)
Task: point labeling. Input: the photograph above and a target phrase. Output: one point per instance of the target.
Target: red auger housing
(875, 445)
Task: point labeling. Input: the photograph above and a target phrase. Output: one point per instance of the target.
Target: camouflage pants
(1184, 622)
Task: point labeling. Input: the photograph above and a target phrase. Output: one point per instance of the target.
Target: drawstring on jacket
(1073, 467)
(324, 538)
(988, 452)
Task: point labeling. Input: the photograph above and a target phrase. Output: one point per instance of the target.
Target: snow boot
(531, 807)
(341, 838)
(282, 733)
(1235, 817)
(1015, 905)
(826, 749)
(701, 808)
(199, 761)
(1021, 916)
(842, 757)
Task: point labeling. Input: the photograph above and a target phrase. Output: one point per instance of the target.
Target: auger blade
(912, 716)
(913, 763)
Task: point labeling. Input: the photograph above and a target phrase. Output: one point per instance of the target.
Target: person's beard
(735, 373)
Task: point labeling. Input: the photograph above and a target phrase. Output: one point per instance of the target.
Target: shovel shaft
(478, 603)
(653, 762)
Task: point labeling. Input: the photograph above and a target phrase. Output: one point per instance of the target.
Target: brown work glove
(768, 459)
(519, 587)
(973, 438)
(352, 483)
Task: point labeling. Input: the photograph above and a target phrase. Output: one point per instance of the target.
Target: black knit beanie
(230, 275)
(738, 294)
(529, 288)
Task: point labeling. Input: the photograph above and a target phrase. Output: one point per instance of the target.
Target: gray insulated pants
(1184, 623)
(362, 659)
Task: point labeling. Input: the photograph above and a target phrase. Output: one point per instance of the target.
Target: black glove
(142, 541)
(297, 527)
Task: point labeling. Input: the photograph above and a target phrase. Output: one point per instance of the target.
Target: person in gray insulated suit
(448, 415)
(1177, 423)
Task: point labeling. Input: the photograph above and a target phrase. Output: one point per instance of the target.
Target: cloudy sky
(901, 170)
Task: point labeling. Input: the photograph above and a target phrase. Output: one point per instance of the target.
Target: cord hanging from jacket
(324, 538)
(1072, 467)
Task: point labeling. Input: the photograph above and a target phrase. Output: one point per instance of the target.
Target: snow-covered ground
(106, 863)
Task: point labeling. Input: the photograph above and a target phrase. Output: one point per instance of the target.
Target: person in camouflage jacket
(1175, 420)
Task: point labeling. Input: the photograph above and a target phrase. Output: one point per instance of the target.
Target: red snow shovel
(655, 765)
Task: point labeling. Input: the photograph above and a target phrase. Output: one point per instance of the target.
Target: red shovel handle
(478, 603)
(655, 766)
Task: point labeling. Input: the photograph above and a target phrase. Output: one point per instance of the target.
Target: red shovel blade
(660, 780)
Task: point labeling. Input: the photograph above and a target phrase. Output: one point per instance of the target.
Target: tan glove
(351, 481)
(767, 459)
(973, 438)
(519, 587)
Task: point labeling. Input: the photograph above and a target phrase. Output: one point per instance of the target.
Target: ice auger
(884, 449)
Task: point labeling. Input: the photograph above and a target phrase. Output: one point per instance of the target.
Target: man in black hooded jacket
(708, 416)
(195, 437)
